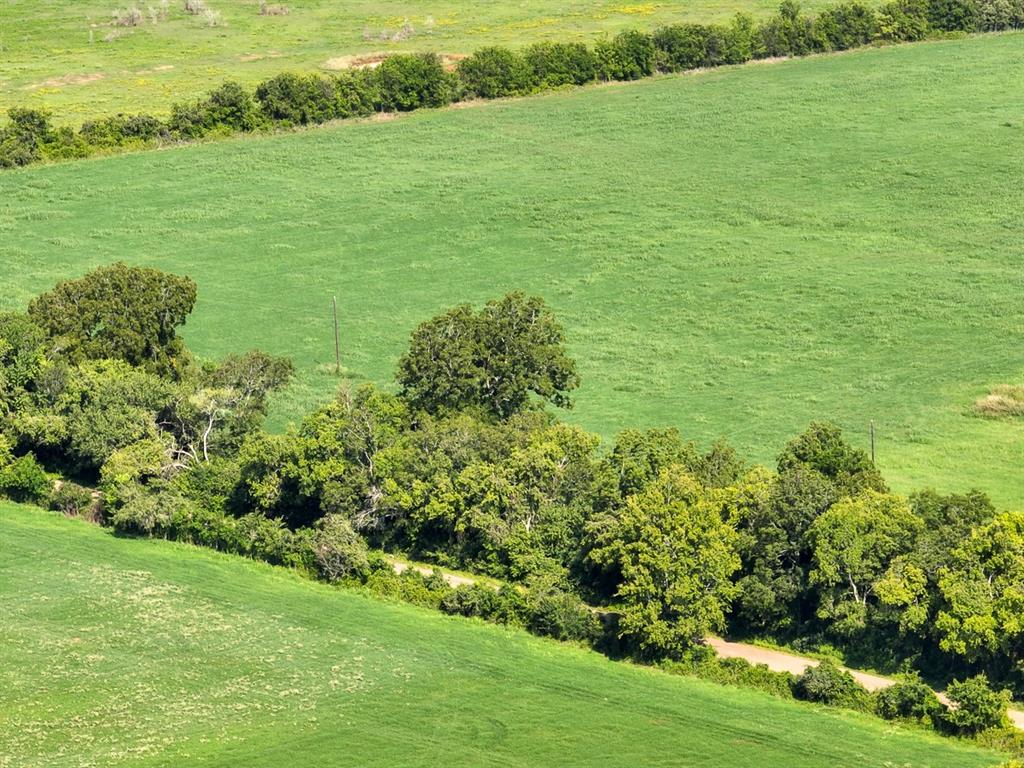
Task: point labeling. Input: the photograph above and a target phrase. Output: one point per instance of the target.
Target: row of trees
(464, 466)
(412, 81)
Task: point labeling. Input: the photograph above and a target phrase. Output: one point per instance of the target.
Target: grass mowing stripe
(137, 652)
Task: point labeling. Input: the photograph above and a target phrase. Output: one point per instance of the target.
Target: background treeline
(640, 549)
(406, 82)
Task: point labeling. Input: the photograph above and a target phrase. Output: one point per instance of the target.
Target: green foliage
(903, 21)
(954, 15)
(340, 552)
(822, 448)
(73, 500)
(676, 557)
(553, 65)
(909, 699)
(23, 479)
(23, 139)
(413, 81)
(976, 707)
(983, 604)
(853, 543)
(844, 26)
(121, 312)
(229, 107)
(688, 46)
(701, 662)
(828, 684)
(789, 33)
(629, 55)
(493, 359)
(491, 73)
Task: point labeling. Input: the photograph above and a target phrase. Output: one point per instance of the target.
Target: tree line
(466, 465)
(405, 82)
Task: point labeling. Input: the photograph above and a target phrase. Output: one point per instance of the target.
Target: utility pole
(872, 441)
(337, 343)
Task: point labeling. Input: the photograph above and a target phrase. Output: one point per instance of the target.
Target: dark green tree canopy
(120, 312)
(491, 360)
(821, 447)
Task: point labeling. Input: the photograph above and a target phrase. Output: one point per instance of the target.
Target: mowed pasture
(735, 252)
(72, 57)
(144, 652)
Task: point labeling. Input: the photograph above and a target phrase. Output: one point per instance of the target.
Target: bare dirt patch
(63, 80)
(372, 60)
(247, 57)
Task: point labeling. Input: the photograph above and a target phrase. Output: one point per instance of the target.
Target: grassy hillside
(128, 652)
(736, 252)
(57, 54)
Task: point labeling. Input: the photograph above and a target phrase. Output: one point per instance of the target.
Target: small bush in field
(73, 500)
(976, 706)
(909, 699)
(828, 684)
(23, 479)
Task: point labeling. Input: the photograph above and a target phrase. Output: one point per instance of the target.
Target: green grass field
(139, 652)
(55, 54)
(736, 252)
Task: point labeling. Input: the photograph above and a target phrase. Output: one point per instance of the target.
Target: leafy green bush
(845, 26)
(789, 32)
(954, 15)
(976, 707)
(828, 684)
(340, 552)
(413, 81)
(150, 513)
(630, 55)
(688, 46)
(24, 479)
(297, 99)
(492, 73)
(994, 15)
(702, 662)
(556, 64)
(121, 130)
(470, 600)
(909, 699)
(73, 500)
(553, 612)
(23, 138)
(902, 21)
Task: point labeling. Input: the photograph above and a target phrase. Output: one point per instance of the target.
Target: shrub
(491, 73)
(23, 138)
(994, 15)
(902, 21)
(228, 108)
(356, 93)
(73, 500)
(828, 684)
(556, 64)
(701, 662)
(23, 479)
(976, 707)
(953, 15)
(741, 40)
(909, 699)
(413, 81)
(339, 551)
(556, 613)
(788, 33)
(630, 55)
(119, 130)
(845, 26)
(299, 99)
(470, 600)
(149, 513)
(688, 46)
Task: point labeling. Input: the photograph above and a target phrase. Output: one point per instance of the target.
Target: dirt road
(777, 661)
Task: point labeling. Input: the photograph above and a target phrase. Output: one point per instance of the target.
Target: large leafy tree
(677, 557)
(983, 594)
(853, 544)
(492, 360)
(120, 312)
(822, 448)
(773, 522)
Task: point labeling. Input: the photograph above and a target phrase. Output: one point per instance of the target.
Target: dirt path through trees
(777, 661)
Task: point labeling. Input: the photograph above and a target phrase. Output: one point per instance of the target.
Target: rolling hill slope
(137, 652)
(735, 252)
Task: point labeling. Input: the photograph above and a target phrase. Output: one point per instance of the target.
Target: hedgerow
(405, 82)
